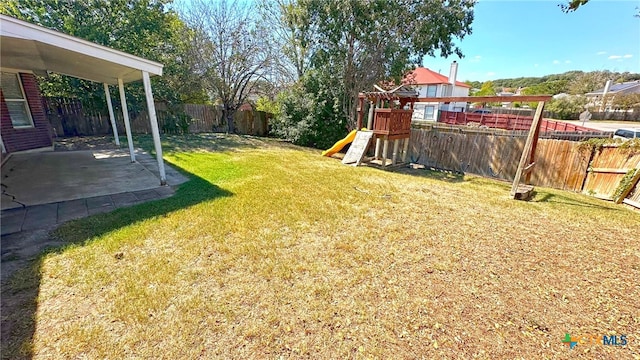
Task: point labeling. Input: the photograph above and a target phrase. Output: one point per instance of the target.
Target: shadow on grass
(20, 290)
(201, 142)
(432, 173)
(565, 200)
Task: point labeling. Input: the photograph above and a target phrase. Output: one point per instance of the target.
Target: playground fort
(388, 125)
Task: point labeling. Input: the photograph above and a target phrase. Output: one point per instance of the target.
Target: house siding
(440, 92)
(40, 134)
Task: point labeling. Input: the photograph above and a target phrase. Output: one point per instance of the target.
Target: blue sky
(535, 38)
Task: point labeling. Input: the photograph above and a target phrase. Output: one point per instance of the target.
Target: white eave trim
(21, 29)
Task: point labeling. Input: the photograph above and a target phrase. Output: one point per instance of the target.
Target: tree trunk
(228, 114)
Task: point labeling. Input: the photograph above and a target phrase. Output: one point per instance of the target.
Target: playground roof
(399, 92)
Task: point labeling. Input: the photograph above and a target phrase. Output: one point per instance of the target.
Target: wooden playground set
(389, 126)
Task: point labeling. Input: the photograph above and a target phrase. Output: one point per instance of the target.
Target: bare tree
(291, 33)
(229, 52)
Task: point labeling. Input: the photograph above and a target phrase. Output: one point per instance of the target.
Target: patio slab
(40, 191)
(43, 178)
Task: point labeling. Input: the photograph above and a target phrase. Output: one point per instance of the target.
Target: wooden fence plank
(68, 118)
(560, 164)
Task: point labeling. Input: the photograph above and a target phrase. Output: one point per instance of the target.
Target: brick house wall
(38, 136)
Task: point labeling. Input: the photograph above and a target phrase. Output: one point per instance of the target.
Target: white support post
(125, 115)
(405, 150)
(370, 117)
(385, 151)
(378, 147)
(107, 94)
(154, 126)
(394, 155)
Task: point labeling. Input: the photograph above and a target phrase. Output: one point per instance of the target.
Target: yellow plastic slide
(340, 144)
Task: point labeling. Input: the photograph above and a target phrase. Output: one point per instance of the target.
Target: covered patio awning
(28, 47)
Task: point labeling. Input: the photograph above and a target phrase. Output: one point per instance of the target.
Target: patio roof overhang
(27, 46)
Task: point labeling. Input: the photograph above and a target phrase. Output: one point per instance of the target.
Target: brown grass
(306, 258)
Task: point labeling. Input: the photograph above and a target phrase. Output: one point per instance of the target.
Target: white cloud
(601, 52)
(491, 73)
(567, 61)
(613, 57)
(476, 59)
(556, 61)
(535, 65)
(628, 56)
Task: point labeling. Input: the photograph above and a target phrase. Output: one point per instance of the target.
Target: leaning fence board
(630, 187)
(604, 184)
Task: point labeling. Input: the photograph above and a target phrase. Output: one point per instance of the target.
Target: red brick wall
(27, 138)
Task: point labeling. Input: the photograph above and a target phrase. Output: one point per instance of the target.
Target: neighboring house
(428, 83)
(505, 104)
(561, 96)
(610, 91)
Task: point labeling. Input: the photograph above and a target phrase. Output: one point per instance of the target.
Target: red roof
(424, 76)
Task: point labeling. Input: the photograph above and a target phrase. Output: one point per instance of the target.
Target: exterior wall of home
(38, 136)
(418, 114)
(631, 90)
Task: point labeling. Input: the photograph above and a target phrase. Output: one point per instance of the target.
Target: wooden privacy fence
(560, 164)
(68, 118)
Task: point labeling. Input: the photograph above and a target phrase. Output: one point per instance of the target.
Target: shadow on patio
(20, 291)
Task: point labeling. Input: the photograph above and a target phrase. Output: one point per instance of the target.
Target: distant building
(595, 98)
(428, 83)
(505, 104)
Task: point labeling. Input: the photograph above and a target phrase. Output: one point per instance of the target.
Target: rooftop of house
(618, 87)
(424, 76)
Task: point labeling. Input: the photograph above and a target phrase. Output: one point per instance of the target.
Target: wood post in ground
(526, 153)
(370, 118)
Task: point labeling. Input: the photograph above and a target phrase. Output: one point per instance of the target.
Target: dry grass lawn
(273, 251)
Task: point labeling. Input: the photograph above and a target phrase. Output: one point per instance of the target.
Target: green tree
(355, 44)
(268, 106)
(627, 101)
(573, 5)
(487, 89)
(587, 82)
(567, 108)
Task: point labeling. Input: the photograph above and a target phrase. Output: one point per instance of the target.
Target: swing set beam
(524, 192)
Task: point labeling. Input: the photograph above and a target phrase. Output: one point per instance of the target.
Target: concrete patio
(42, 190)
